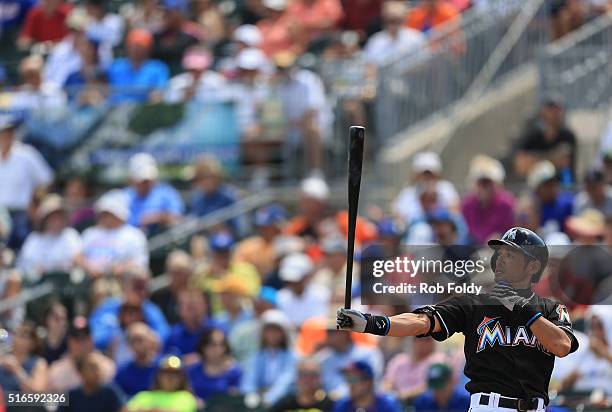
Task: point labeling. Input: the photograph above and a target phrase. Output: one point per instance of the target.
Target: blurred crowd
(241, 316)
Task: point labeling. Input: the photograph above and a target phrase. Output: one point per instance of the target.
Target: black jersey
(502, 356)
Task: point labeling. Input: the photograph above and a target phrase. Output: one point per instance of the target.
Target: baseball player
(511, 334)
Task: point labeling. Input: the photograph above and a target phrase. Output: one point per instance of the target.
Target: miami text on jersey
(492, 333)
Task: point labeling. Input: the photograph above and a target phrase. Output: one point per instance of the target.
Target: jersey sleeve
(452, 314)
(559, 316)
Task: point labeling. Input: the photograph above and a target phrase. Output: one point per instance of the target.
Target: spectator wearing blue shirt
(363, 397)
(93, 395)
(271, 371)
(137, 78)
(210, 194)
(154, 206)
(104, 321)
(443, 394)
(217, 374)
(139, 374)
(552, 205)
(194, 317)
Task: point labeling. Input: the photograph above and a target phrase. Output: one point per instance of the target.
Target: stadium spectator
(363, 395)
(144, 14)
(22, 369)
(308, 393)
(211, 18)
(318, 18)
(552, 205)
(34, 95)
(65, 57)
(339, 351)
(137, 78)
(279, 31)
(394, 40)
(217, 374)
(103, 27)
(222, 266)
(63, 373)
(94, 394)
(301, 299)
(138, 374)
(259, 250)
(240, 339)
(179, 268)
(488, 209)
(331, 272)
(197, 83)
(591, 368)
(175, 37)
(443, 393)
(76, 195)
(597, 194)
(305, 109)
(210, 193)
(61, 243)
(11, 21)
(23, 171)
(193, 310)
(88, 87)
(271, 371)
(235, 304)
(547, 137)
(55, 322)
(10, 287)
(406, 374)
(429, 14)
(112, 244)
(108, 322)
(170, 390)
(313, 210)
(154, 206)
(45, 22)
(427, 170)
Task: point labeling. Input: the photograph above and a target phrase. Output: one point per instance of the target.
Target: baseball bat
(355, 162)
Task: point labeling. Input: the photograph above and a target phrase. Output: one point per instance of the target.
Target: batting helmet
(526, 241)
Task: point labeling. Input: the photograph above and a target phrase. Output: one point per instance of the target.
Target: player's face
(510, 265)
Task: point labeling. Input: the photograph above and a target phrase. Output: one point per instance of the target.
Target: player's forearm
(410, 324)
(553, 338)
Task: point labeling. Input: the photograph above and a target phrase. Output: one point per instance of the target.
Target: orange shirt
(278, 35)
(421, 19)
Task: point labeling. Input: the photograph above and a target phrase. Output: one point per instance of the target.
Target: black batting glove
(520, 307)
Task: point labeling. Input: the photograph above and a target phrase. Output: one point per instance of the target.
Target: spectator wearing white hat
(60, 243)
(552, 205)
(153, 205)
(271, 370)
(394, 40)
(112, 244)
(313, 209)
(301, 299)
(22, 171)
(197, 82)
(427, 171)
(488, 209)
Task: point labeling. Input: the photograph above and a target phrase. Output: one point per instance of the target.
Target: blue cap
(270, 215)
(362, 367)
(221, 242)
(179, 5)
(440, 215)
(268, 294)
(389, 227)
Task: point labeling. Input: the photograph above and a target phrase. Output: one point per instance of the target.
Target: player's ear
(533, 267)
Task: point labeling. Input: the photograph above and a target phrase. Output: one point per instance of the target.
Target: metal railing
(578, 67)
(412, 90)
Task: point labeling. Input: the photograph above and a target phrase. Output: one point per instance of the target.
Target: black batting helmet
(528, 242)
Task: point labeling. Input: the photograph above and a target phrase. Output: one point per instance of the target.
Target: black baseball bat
(355, 163)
